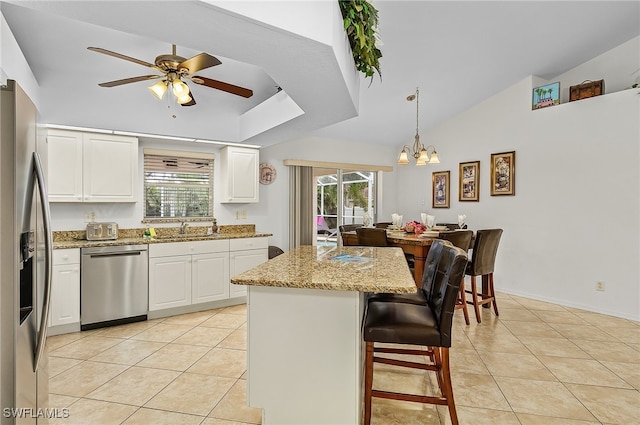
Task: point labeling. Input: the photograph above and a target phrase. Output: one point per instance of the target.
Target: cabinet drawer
(248, 243)
(185, 248)
(66, 256)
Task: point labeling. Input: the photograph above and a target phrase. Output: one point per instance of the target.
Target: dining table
(411, 243)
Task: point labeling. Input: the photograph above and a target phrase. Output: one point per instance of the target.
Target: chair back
(451, 226)
(444, 289)
(368, 236)
(431, 264)
(485, 248)
(348, 227)
(383, 224)
(274, 251)
(460, 238)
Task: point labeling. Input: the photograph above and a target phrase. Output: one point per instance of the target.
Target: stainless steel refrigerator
(25, 262)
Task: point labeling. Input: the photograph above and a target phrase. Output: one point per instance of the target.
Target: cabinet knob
(79, 197)
(86, 198)
(65, 257)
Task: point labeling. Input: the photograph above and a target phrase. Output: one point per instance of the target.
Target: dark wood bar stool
(461, 239)
(430, 268)
(347, 228)
(482, 263)
(426, 325)
(371, 236)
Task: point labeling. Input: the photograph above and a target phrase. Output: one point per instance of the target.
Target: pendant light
(420, 153)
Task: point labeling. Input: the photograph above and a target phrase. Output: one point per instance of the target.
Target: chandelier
(419, 152)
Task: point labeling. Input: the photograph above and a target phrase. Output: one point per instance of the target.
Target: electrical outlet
(89, 217)
(243, 214)
(599, 286)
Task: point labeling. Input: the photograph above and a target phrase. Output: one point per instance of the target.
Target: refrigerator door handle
(48, 247)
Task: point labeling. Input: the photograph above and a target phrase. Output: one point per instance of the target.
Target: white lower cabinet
(245, 254)
(65, 288)
(185, 273)
(169, 282)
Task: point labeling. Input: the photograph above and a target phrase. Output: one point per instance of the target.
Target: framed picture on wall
(440, 189)
(545, 96)
(503, 173)
(469, 181)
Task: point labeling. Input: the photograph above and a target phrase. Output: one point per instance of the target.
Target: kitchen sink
(185, 236)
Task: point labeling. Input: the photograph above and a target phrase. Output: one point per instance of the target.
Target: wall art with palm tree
(545, 96)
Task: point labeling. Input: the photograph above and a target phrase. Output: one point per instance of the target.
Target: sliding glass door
(343, 196)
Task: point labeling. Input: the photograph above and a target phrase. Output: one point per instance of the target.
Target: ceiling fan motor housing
(169, 63)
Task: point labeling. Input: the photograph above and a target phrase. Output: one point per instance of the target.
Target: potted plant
(361, 23)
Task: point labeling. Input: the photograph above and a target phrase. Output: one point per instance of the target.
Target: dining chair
(428, 325)
(347, 228)
(371, 236)
(461, 239)
(482, 263)
(451, 226)
(382, 224)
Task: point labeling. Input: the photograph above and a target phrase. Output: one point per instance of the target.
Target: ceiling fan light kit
(174, 68)
(420, 152)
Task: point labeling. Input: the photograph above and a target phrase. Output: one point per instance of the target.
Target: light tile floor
(538, 363)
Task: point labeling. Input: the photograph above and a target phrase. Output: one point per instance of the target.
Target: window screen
(178, 184)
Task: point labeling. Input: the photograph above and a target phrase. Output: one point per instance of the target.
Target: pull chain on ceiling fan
(174, 69)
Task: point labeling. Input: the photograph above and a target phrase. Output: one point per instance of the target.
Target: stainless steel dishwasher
(114, 285)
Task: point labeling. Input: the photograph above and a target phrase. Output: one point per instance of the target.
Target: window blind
(178, 184)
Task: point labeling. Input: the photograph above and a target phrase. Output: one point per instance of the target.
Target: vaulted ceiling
(458, 53)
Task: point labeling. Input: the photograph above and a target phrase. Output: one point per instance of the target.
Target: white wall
(575, 217)
(13, 64)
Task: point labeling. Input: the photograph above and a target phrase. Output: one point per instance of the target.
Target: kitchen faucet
(183, 226)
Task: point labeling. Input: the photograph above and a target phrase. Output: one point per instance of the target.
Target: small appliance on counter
(102, 231)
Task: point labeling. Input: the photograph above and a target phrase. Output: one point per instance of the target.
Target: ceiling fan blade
(129, 80)
(220, 85)
(120, 56)
(199, 62)
(191, 102)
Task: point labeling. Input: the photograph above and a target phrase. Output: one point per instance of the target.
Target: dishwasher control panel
(102, 231)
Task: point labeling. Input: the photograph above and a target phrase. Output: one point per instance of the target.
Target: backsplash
(71, 235)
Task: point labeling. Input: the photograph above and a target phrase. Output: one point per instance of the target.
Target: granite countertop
(77, 238)
(309, 267)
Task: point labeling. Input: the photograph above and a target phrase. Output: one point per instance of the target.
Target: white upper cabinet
(239, 175)
(65, 166)
(92, 167)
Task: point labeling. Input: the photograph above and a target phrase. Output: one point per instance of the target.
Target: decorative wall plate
(267, 173)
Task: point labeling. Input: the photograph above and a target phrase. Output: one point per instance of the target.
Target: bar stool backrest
(369, 236)
(485, 248)
(444, 289)
(459, 238)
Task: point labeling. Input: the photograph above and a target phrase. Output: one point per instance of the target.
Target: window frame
(184, 161)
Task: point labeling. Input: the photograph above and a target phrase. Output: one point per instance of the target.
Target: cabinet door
(65, 295)
(241, 261)
(210, 277)
(110, 168)
(169, 282)
(65, 166)
(239, 171)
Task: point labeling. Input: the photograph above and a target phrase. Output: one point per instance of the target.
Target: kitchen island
(304, 347)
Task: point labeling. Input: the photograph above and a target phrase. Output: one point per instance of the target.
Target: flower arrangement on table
(414, 227)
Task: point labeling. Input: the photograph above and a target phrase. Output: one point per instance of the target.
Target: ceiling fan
(174, 69)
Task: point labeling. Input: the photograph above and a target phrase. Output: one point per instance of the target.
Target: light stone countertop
(311, 267)
(77, 238)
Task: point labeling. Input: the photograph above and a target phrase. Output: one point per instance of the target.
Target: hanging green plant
(361, 23)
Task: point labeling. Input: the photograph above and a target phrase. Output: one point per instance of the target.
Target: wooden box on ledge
(586, 89)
